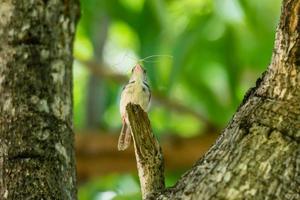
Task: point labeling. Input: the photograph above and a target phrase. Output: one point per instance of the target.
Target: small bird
(136, 91)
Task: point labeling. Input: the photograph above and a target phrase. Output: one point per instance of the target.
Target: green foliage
(110, 187)
(117, 187)
(219, 49)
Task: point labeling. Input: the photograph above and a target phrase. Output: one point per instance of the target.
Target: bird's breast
(134, 93)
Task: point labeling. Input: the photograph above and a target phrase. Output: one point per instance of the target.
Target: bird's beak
(138, 68)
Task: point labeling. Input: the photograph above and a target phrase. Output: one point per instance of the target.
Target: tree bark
(150, 162)
(258, 154)
(36, 130)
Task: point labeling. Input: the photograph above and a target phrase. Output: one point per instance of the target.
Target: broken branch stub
(149, 158)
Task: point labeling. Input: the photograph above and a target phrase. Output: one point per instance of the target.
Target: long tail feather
(124, 138)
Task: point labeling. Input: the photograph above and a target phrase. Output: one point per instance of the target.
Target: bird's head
(138, 73)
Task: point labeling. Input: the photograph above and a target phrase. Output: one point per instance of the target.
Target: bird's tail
(124, 138)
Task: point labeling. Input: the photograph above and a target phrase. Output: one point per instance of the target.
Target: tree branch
(96, 153)
(147, 151)
(288, 30)
(281, 79)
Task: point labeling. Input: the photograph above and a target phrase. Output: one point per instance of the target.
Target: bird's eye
(132, 69)
(145, 71)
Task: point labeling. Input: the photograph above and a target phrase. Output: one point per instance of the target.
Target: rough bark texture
(147, 152)
(36, 135)
(258, 154)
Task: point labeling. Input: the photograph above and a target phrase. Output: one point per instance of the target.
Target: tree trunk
(36, 131)
(96, 88)
(258, 154)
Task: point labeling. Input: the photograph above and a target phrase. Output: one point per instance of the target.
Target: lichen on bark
(36, 151)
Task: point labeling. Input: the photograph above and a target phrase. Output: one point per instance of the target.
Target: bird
(136, 91)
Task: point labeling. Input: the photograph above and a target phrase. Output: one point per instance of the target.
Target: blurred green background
(219, 49)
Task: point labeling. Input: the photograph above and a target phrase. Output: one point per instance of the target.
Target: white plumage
(136, 91)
